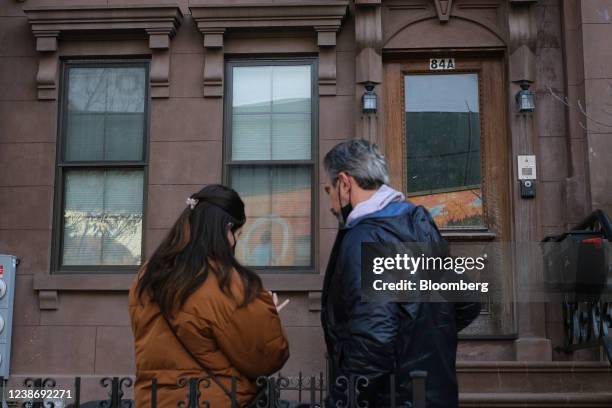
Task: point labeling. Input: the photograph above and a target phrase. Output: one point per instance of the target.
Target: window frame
(61, 166)
(228, 163)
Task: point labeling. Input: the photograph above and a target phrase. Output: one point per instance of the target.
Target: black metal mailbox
(578, 263)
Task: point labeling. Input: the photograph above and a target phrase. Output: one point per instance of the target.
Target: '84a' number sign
(440, 64)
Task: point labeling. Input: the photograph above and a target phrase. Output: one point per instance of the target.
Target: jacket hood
(395, 218)
(384, 196)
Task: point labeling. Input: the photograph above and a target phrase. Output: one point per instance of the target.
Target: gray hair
(360, 159)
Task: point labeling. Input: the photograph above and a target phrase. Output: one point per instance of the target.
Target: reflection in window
(271, 129)
(102, 164)
(105, 114)
(102, 217)
(277, 204)
(443, 147)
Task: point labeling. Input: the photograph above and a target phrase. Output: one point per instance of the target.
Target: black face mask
(344, 210)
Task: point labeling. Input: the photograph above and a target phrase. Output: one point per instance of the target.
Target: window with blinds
(269, 160)
(101, 165)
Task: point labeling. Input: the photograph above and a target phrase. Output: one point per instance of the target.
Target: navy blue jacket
(374, 339)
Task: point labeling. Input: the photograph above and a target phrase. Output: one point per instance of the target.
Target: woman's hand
(275, 300)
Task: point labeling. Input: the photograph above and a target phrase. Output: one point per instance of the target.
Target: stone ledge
(540, 400)
(522, 377)
(49, 286)
(121, 282)
(532, 366)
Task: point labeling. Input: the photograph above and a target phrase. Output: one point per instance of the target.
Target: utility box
(8, 265)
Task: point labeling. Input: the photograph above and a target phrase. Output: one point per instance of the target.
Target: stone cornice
(321, 15)
(45, 21)
(215, 19)
(50, 23)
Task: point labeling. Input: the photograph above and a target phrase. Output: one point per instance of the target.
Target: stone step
(539, 400)
(538, 378)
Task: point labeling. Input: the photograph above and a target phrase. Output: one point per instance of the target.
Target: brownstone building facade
(113, 112)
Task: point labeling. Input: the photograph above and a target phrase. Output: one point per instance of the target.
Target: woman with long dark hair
(197, 312)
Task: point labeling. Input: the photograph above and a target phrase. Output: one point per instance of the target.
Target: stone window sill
(48, 286)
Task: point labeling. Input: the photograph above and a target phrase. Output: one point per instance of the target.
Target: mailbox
(8, 264)
(578, 263)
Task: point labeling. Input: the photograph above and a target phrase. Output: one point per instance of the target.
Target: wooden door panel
(497, 317)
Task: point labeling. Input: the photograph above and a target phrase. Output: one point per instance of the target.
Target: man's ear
(343, 180)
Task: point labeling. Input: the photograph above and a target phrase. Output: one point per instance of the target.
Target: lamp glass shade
(525, 100)
(369, 102)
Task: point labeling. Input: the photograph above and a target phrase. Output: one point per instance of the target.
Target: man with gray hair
(376, 339)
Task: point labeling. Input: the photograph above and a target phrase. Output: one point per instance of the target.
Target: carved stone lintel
(327, 71)
(443, 8)
(368, 36)
(160, 73)
(47, 42)
(522, 65)
(47, 300)
(213, 40)
(369, 67)
(46, 77)
(213, 19)
(213, 63)
(368, 64)
(522, 42)
(326, 40)
(50, 23)
(159, 43)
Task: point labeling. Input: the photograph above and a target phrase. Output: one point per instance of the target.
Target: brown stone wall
(596, 24)
(89, 334)
(551, 140)
(587, 61)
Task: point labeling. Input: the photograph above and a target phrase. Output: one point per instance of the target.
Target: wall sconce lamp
(369, 100)
(525, 99)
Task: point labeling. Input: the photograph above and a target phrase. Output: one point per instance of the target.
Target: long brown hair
(196, 245)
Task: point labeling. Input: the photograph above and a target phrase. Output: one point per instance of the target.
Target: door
(447, 144)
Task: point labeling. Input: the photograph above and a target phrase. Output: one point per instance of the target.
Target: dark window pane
(278, 206)
(105, 114)
(443, 146)
(102, 217)
(271, 113)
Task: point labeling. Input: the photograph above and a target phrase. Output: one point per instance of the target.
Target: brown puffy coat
(245, 342)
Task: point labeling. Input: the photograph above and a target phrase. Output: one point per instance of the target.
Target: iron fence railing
(302, 391)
